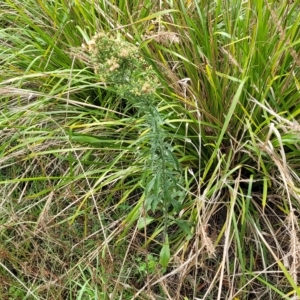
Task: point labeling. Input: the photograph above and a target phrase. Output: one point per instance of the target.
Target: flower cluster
(120, 65)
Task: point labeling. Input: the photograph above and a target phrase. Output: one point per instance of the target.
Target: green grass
(185, 188)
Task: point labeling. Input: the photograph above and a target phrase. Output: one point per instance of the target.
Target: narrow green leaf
(164, 256)
(143, 222)
(265, 193)
(226, 123)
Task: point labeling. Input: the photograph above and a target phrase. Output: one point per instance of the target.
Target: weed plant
(149, 149)
(120, 65)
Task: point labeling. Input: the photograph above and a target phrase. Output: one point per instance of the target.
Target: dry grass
(85, 210)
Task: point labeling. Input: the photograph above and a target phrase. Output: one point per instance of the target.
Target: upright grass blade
(225, 126)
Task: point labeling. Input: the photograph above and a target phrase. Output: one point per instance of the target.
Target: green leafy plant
(16, 293)
(148, 265)
(121, 67)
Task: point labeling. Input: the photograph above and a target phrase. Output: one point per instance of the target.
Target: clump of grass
(100, 152)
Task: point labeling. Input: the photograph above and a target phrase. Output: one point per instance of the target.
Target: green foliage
(121, 68)
(148, 266)
(157, 158)
(16, 293)
(165, 254)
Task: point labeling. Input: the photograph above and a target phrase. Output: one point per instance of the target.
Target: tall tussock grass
(149, 149)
